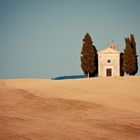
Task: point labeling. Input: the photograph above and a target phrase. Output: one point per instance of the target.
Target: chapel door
(108, 72)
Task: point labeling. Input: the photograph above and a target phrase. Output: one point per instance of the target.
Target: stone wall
(111, 61)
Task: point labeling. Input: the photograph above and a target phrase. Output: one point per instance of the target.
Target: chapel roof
(112, 48)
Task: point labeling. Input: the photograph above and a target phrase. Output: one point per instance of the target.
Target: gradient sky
(43, 38)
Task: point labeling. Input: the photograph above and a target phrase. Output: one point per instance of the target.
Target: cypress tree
(129, 59)
(133, 45)
(89, 61)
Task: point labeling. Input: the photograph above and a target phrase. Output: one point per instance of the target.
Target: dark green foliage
(133, 45)
(129, 57)
(121, 64)
(89, 59)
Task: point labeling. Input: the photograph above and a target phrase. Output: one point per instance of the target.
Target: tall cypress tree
(133, 45)
(89, 59)
(129, 59)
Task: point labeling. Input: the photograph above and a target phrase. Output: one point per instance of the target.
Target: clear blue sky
(43, 38)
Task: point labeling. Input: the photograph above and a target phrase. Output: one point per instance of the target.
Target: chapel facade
(109, 61)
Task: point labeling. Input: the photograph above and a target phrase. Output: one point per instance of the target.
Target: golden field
(81, 109)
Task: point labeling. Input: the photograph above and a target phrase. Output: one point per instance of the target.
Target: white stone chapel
(109, 61)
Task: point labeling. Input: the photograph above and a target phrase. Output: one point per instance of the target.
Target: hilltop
(85, 109)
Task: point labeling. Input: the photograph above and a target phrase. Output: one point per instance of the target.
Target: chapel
(109, 61)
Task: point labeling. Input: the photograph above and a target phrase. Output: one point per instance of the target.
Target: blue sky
(43, 38)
